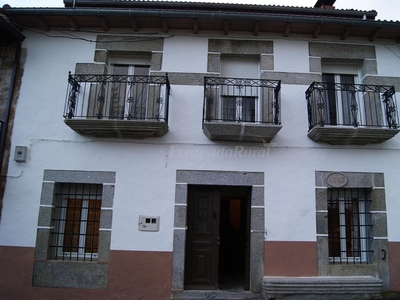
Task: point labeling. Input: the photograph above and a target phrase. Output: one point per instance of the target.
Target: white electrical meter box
(147, 223)
(20, 153)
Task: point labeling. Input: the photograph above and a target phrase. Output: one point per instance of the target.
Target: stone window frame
(363, 55)
(255, 180)
(107, 45)
(73, 274)
(239, 48)
(379, 265)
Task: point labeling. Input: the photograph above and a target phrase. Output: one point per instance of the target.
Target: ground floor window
(74, 229)
(349, 225)
(76, 221)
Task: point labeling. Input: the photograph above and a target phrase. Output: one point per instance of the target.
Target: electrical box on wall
(147, 223)
(20, 153)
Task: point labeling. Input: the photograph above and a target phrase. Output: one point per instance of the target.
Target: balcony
(342, 114)
(117, 106)
(241, 110)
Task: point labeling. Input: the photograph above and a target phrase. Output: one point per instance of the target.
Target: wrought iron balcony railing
(122, 97)
(356, 105)
(241, 100)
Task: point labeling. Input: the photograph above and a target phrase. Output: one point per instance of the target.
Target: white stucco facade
(145, 169)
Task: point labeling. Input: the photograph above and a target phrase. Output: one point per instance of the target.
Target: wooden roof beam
(43, 23)
(375, 34)
(226, 27)
(317, 30)
(134, 24)
(164, 25)
(103, 23)
(195, 26)
(257, 28)
(346, 32)
(73, 23)
(288, 27)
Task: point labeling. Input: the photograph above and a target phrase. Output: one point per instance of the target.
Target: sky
(387, 9)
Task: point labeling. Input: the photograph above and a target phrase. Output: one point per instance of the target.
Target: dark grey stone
(378, 200)
(291, 77)
(90, 68)
(178, 259)
(369, 67)
(42, 244)
(335, 135)
(267, 62)
(321, 199)
(257, 196)
(213, 62)
(104, 246)
(339, 287)
(129, 43)
(68, 274)
(315, 64)
(240, 132)
(379, 179)
(181, 193)
(45, 214)
(382, 261)
(256, 261)
(383, 80)
(47, 193)
(379, 224)
(108, 196)
(341, 51)
(257, 219)
(156, 61)
(322, 222)
(79, 176)
(106, 219)
(101, 56)
(323, 256)
(352, 270)
(186, 78)
(240, 47)
(354, 179)
(180, 216)
(220, 177)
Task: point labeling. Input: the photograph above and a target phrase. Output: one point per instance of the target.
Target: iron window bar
(76, 222)
(349, 226)
(125, 97)
(241, 100)
(357, 104)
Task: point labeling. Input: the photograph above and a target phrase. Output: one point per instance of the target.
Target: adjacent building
(169, 150)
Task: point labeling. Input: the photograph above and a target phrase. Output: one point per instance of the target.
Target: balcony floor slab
(240, 131)
(132, 129)
(340, 135)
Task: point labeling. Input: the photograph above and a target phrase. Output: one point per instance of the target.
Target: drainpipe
(8, 104)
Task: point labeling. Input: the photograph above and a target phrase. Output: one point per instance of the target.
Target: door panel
(202, 239)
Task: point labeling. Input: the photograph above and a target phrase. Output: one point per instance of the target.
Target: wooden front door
(202, 239)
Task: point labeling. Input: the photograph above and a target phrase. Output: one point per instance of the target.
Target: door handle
(218, 241)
